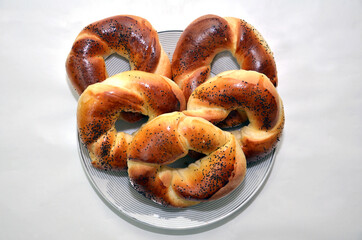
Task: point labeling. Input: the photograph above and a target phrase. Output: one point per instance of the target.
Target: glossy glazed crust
(101, 105)
(209, 35)
(251, 92)
(168, 138)
(129, 36)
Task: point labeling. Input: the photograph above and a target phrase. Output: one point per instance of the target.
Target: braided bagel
(209, 35)
(251, 92)
(101, 105)
(131, 37)
(169, 137)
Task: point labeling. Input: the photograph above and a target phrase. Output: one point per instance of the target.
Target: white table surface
(315, 188)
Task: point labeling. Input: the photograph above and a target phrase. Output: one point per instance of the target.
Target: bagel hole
(222, 62)
(236, 129)
(235, 119)
(115, 63)
(185, 161)
(130, 122)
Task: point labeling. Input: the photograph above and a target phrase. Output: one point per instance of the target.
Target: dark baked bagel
(209, 35)
(129, 36)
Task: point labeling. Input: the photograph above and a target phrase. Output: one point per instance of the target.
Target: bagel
(169, 137)
(247, 91)
(131, 37)
(102, 104)
(209, 35)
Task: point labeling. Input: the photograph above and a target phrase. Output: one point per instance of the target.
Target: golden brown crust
(250, 92)
(209, 35)
(198, 45)
(102, 104)
(129, 36)
(252, 51)
(169, 137)
(159, 143)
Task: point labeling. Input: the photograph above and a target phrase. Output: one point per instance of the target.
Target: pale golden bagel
(247, 91)
(102, 104)
(169, 137)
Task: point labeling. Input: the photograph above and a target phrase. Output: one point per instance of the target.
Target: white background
(315, 187)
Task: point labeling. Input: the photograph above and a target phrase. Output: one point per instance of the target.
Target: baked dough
(102, 104)
(131, 37)
(209, 35)
(169, 137)
(247, 91)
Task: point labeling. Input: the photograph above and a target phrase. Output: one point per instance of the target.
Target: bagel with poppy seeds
(101, 105)
(169, 137)
(248, 91)
(129, 36)
(209, 35)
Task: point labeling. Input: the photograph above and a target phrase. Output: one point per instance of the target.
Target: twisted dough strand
(168, 138)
